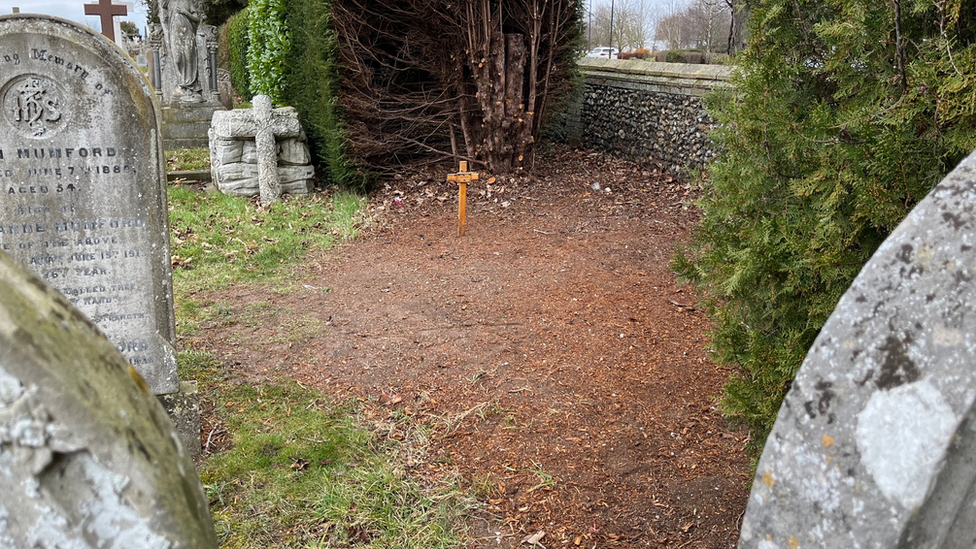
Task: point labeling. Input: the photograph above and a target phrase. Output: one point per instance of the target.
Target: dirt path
(561, 369)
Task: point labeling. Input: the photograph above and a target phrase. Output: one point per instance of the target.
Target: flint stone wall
(644, 111)
(875, 444)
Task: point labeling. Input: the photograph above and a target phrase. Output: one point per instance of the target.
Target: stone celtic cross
(265, 124)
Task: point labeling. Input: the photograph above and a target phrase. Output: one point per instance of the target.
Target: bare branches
(414, 70)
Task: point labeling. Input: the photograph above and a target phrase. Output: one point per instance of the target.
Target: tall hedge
(311, 84)
(218, 12)
(286, 49)
(239, 42)
(845, 113)
(270, 46)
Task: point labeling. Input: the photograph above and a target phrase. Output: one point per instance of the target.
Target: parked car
(604, 52)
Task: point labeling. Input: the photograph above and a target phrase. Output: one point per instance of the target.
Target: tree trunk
(412, 70)
(499, 76)
(519, 134)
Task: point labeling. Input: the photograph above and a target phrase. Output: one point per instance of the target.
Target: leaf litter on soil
(549, 342)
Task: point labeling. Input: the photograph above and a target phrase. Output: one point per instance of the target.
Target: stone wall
(644, 111)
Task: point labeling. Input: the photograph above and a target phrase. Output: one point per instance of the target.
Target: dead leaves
(535, 538)
(180, 262)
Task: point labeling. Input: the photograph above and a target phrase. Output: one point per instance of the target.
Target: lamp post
(611, 30)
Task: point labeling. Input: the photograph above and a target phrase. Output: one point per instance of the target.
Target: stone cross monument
(265, 125)
(107, 12)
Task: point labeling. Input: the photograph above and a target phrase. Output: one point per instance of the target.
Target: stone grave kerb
(265, 124)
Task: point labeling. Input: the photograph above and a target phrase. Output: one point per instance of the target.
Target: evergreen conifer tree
(843, 115)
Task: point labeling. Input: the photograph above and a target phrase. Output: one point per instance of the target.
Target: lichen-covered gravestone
(88, 458)
(875, 444)
(82, 187)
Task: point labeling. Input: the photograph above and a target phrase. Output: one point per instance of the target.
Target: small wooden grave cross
(265, 125)
(462, 178)
(106, 12)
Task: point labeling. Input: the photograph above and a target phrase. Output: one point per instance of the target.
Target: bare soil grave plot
(559, 366)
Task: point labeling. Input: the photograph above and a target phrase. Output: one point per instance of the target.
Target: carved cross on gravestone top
(106, 11)
(265, 124)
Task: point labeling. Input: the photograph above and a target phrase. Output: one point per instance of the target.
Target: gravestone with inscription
(82, 187)
(875, 444)
(88, 458)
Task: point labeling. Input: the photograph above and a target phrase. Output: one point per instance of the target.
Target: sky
(74, 10)
(71, 9)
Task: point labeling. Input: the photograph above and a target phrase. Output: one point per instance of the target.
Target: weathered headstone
(225, 89)
(88, 458)
(875, 444)
(245, 148)
(82, 187)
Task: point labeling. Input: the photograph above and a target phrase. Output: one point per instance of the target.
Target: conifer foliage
(844, 114)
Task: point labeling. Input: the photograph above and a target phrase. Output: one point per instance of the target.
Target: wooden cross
(462, 178)
(265, 125)
(107, 11)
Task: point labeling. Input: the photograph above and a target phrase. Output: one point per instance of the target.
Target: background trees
(129, 29)
(846, 113)
(633, 24)
(381, 84)
(668, 24)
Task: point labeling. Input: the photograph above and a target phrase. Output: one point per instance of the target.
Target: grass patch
(218, 240)
(188, 159)
(298, 329)
(297, 469)
(190, 314)
(303, 472)
(546, 481)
